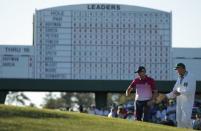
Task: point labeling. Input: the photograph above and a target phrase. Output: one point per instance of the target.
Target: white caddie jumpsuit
(186, 86)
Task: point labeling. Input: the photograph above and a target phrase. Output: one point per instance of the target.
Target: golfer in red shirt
(145, 91)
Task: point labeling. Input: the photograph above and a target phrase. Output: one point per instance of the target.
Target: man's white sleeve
(171, 95)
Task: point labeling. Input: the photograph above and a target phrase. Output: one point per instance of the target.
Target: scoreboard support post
(3, 95)
(101, 99)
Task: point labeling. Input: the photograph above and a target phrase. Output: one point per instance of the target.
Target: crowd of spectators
(163, 113)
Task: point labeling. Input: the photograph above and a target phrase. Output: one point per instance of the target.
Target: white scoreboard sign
(16, 62)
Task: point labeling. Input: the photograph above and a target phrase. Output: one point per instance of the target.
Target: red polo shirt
(144, 88)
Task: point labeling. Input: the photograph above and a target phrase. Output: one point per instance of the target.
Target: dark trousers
(141, 109)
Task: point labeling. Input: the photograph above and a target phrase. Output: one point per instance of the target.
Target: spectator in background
(99, 111)
(91, 110)
(81, 108)
(197, 122)
(171, 112)
(121, 112)
(161, 114)
(145, 91)
(113, 113)
(130, 115)
(105, 112)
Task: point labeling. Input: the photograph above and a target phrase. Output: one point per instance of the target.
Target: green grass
(31, 119)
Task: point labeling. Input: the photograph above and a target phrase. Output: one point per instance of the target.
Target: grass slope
(31, 119)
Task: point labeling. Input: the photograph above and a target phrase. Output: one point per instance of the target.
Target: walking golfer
(145, 88)
(184, 92)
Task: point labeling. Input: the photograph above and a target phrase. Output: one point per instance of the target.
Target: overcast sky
(16, 18)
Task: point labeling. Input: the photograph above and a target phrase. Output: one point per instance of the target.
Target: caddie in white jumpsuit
(184, 92)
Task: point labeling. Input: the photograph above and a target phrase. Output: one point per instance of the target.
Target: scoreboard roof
(104, 7)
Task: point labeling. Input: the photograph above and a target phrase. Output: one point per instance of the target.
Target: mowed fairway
(31, 119)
